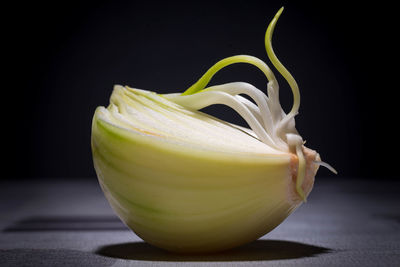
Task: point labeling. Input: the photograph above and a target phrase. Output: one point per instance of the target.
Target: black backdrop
(62, 60)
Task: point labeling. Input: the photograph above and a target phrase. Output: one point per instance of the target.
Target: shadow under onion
(263, 250)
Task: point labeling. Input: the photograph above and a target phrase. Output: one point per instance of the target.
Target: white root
(326, 165)
(206, 98)
(257, 95)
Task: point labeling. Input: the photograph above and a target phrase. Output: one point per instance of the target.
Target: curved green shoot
(279, 66)
(205, 79)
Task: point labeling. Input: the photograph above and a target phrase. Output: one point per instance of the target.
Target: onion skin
(188, 200)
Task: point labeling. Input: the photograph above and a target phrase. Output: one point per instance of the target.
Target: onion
(187, 182)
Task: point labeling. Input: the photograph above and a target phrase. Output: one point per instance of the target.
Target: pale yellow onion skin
(189, 200)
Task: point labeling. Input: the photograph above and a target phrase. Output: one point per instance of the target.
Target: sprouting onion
(188, 182)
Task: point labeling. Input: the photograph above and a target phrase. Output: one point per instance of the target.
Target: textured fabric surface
(346, 222)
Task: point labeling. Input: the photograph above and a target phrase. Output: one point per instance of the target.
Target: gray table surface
(54, 222)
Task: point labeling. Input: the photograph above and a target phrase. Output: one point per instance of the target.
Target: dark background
(62, 60)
